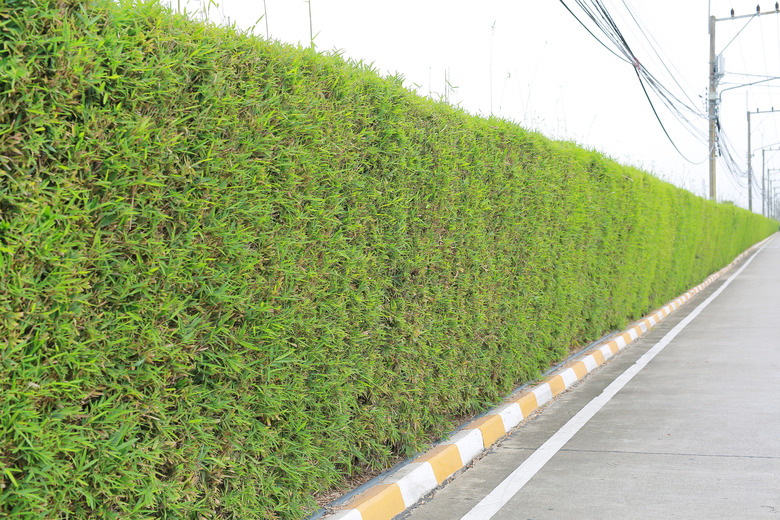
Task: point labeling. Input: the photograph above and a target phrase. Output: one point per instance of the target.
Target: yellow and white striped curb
(408, 485)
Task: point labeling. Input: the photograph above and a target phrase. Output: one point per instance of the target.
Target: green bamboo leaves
(233, 273)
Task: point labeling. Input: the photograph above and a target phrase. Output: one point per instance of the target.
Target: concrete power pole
(749, 168)
(771, 193)
(765, 181)
(715, 75)
(750, 162)
(711, 106)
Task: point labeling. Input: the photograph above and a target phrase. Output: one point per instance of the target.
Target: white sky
(550, 75)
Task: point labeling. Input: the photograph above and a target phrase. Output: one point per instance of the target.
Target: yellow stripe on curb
(444, 459)
(381, 502)
(613, 346)
(580, 370)
(557, 385)
(491, 426)
(598, 356)
(527, 403)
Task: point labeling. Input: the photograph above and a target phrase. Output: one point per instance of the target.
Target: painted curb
(404, 488)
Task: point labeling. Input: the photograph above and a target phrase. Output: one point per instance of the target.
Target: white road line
(503, 493)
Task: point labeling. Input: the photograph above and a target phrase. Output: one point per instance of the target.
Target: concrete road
(695, 434)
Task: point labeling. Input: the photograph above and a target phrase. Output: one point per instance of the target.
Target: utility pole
(715, 74)
(764, 174)
(749, 168)
(711, 105)
(771, 195)
(750, 156)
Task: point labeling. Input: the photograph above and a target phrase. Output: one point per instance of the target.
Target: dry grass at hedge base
(234, 272)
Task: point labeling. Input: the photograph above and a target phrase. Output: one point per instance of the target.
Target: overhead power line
(686, 113)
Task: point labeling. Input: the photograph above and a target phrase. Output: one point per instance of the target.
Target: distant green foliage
(232, 272)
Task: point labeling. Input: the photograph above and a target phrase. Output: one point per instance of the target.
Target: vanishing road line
(509, 487)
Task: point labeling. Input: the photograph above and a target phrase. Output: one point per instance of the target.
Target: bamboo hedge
(234, 272)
